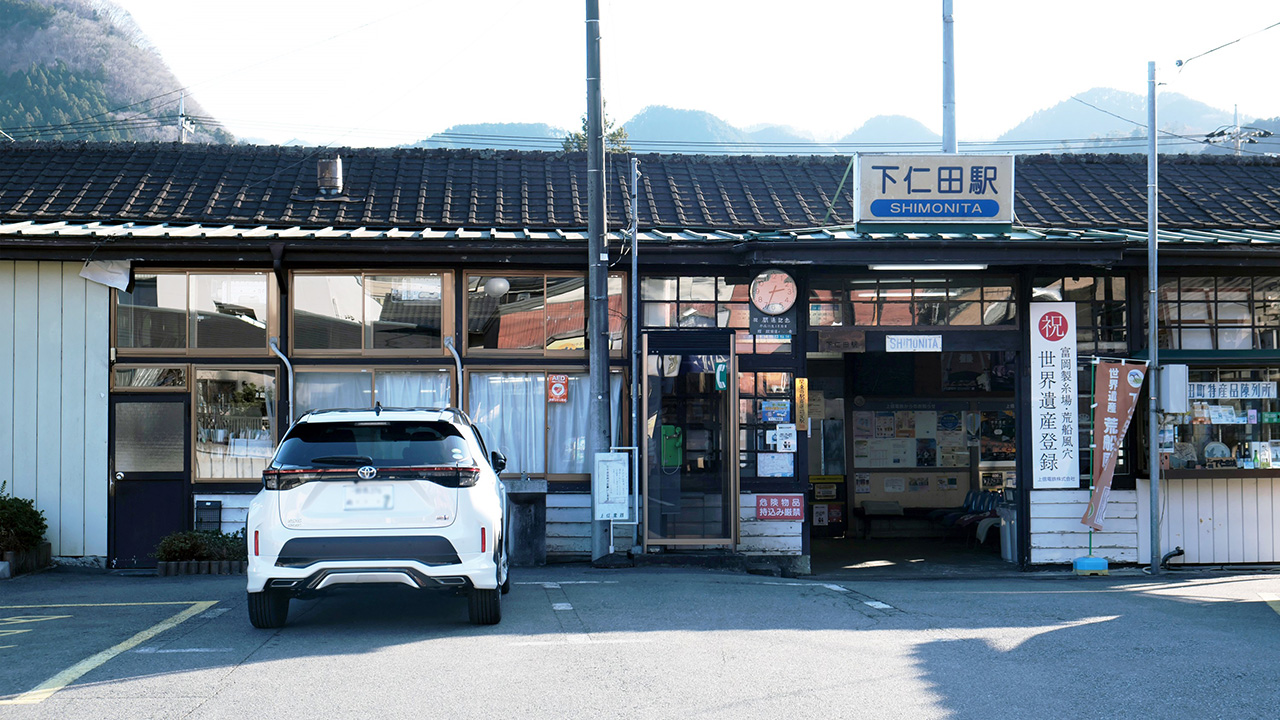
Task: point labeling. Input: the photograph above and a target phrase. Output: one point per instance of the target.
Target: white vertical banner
(1055, 455)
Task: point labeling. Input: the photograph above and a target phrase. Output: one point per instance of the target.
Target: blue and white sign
(935, 189)
(913, 343)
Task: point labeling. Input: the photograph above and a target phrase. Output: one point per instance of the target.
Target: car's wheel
(485, 606)
(268, 609)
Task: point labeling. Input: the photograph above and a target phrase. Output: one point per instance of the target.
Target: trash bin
(1008, 513)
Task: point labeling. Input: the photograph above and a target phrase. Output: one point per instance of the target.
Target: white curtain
(413, 389)
(569, 423)
(321, 390)
(509, 408)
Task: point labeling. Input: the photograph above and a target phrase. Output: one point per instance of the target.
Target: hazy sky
(384, 72)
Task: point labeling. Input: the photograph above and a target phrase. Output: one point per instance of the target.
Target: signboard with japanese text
(1116, 385)
(1055, 459)
(935, 189)
(1231, 391)
(611, 486)
(780, 507)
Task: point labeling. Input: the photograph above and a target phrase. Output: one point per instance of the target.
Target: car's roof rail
(456, 412)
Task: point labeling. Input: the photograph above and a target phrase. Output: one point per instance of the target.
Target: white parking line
(556, 585)
(159, 651)
(877, 604)
(561, 606)
(828, 586)
(583, 640)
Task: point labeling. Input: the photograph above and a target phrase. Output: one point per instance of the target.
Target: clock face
(773, 292)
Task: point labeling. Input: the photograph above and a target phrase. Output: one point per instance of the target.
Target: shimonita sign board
(935, 189)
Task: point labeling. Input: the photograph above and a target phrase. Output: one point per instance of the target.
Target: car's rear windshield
(381, 444)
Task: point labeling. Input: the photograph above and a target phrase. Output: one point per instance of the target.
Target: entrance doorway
(913, 459)
(691, 432)
(150, 474)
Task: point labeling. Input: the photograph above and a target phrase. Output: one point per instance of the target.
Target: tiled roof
(247, 185)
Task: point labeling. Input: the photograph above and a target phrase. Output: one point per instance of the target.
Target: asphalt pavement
(578, 642)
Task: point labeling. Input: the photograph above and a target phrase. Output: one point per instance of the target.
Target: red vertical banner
(1116, 385)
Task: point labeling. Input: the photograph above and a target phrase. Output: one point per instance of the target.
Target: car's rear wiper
(343, 460)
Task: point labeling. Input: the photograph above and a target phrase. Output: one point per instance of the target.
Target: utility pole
(598, 441)
(948, 79)
(1153, 374)
(182, 118)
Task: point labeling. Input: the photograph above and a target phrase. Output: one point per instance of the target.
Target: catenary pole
(1153, 384)
(948, 79)
(597, 275)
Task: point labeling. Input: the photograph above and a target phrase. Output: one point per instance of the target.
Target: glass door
(691, 432)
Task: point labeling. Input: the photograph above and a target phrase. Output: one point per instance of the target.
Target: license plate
(369, 497)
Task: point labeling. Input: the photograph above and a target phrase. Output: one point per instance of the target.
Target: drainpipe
(275, 348)
(457, 360)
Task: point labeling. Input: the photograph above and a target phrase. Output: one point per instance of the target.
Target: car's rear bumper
(312, 564)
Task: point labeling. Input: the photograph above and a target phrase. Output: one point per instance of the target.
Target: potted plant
(22, 529)
(201, 552)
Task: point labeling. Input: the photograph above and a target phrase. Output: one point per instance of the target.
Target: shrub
(22, 526)
(201, 545)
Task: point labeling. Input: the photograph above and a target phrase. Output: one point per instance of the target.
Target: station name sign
(935, 189)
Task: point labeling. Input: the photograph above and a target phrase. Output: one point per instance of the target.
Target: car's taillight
(481, 538)
(452, 477)
(270, 480)
(255, 543)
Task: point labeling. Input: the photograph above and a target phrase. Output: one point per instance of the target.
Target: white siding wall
(1215, 521)
(235, 509)
(53, 399)
(1058, 536)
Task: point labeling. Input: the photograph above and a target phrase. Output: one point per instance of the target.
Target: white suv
(398, 496)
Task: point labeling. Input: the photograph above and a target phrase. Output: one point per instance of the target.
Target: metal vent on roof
(329, 176)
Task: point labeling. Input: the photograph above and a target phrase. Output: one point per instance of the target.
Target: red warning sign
(557, 388)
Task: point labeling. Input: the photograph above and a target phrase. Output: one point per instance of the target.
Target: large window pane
(235, 423)
(569, 422)
(327, 312)
(510, 410)
(515, 319)
(566, 313)
(229, 311)
(325, 390)
(154, 315)
(403, 312)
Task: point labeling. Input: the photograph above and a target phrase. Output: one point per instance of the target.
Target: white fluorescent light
(892, 268)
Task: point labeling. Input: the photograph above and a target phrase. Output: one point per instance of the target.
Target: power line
(1183, 63)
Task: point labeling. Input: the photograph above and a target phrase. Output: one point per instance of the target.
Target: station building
(809, 381)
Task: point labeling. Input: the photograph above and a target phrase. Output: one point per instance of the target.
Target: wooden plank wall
(1057, 536)
(569, 524)
(53, 399)
(767, 537)
(1215, 521)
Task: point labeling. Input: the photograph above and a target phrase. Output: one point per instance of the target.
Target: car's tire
(485, 606)
(268, 609)
(505, 560)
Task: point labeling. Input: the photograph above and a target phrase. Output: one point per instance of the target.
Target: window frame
(372, 371)
(187, 350)
(623, 411)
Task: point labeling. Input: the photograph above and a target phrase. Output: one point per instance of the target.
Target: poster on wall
(1055, 460)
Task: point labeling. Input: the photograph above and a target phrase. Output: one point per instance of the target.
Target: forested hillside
(81, 70)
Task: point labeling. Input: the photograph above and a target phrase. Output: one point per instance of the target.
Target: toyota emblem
(368, 472)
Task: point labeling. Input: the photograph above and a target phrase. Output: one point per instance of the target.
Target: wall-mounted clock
(773, 292)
